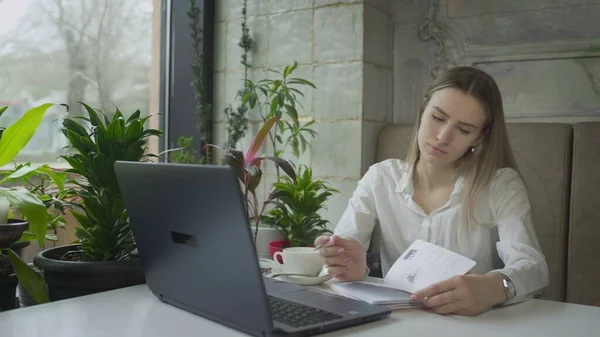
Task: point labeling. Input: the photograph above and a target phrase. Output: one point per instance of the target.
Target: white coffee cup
(300, 260)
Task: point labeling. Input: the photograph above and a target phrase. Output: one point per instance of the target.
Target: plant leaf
(276, 84)
(278, 194)
(245, 97)
(73, 126)
(274, 106)
(258, 141)
(17, 135)
(28, 236)
(31, 207)
(58, 178)
(291, 111)
(134, 116)
(252, 99)
(296, 91)
(18, 174)
(290, 69)
(235, 160)
(301, 81)
(94, 119)
(285, 165)
(29, 279)
(253, 177)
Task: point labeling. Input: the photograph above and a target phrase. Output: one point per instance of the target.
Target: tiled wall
(377, 75)
(371, 66)
(326, 38)
(413, 59)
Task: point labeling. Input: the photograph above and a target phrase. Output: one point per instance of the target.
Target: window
(101, 52)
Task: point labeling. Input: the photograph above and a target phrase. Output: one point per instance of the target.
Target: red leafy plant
(247, 168)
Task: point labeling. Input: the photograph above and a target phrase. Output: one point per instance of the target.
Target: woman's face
(451, 124)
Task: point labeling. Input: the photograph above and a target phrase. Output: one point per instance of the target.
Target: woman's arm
(518, 246)
(358, 220)
(345, 252)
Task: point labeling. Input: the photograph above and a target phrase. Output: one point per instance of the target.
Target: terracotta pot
(278, 246)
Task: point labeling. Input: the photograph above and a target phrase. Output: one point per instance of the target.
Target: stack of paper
(376, 293)
(420, 266)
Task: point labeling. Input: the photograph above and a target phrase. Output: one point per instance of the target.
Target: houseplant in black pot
(47, 184)
(10, 231)
(103, 258)
(33, 211)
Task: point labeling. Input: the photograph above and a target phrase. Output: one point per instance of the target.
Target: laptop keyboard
(298, 315)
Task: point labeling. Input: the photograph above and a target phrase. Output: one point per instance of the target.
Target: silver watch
(509, 287)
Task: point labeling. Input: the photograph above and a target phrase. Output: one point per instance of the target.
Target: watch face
(508, 285)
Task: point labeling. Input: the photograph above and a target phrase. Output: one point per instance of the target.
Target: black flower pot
(8, 288)
(18, 247)
(68, 279)
(10, 232)
(8, 283)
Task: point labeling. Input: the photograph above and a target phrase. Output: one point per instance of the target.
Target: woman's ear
(479, 139)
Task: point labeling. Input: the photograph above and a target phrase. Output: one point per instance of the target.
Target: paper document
(424, 264)
(420, 266)
(376, 293)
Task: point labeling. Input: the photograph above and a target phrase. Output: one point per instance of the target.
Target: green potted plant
(279, 96)
(47, 184)
(296, 203)
(185, 152)
(32, 210)
(278, 103)
(104, 257)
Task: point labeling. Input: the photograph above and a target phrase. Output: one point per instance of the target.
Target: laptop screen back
(195, 242)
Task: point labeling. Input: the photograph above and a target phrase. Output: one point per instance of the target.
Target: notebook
(420, 266)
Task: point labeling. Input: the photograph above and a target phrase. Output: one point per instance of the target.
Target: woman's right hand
(346, 260)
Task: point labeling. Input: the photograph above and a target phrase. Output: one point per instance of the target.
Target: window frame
(176, 92)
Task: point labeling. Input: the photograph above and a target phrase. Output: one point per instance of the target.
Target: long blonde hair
(494, 151)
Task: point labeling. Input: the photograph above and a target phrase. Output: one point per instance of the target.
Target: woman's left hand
(464, 295)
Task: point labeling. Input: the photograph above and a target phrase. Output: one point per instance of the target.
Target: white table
(134, 312)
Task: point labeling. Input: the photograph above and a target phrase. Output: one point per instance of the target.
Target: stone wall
(372, 60)
(544, 54)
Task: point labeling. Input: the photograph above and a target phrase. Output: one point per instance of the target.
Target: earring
(472, 148)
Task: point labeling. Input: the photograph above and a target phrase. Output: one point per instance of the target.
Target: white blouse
(503, 240)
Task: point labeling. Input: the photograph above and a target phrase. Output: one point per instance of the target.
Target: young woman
(460, 189)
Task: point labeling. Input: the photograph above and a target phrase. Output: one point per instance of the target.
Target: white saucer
(301, 280)
(305, 280)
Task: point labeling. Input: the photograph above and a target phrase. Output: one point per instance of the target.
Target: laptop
(196, 247)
